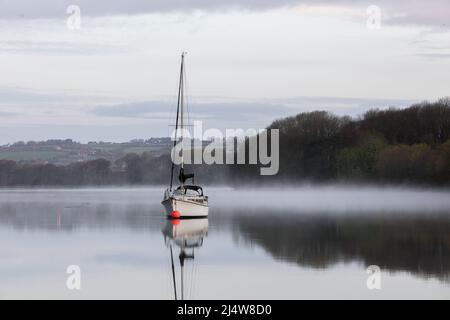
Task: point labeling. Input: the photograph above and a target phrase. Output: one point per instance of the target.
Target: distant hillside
(64, 152)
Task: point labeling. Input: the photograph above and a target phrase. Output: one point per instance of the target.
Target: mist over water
(303, 199)
(333, 199)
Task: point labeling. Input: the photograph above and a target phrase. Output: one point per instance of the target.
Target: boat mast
(179, 104)
(173, 273)
(182, 282)
(182, 115)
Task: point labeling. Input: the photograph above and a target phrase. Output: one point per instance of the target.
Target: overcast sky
(248, 62)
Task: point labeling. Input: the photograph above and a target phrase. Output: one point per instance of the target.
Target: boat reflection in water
(183, 236)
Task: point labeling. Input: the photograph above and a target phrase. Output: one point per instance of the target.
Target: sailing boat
(187, 235)
(187, 200)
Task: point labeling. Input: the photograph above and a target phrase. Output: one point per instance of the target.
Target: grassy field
(31, 155)
(151, 149)
(69, 154)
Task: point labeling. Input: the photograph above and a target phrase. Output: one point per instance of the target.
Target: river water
(300, 242)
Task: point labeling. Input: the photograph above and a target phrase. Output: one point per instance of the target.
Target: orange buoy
(175, 222)
(175, 214)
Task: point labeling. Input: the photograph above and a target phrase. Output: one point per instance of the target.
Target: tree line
(410, 145)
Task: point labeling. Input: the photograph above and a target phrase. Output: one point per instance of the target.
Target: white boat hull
(186, 208)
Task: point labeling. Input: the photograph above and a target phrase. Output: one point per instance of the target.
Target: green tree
(359, 162)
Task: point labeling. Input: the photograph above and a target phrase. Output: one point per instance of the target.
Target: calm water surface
(305, 242)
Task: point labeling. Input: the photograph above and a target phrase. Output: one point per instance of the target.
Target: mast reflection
(187, 236)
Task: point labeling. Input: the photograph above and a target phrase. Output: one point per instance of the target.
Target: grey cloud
(7, 114)
(224, 111)
(346, 101)
(419, 12)
(14, 95)
(58, 46)
(344, 106)
(218, 108)
(267, 110)
(57, 8)
(434, 56)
